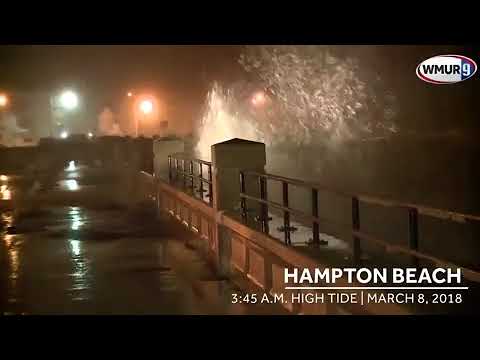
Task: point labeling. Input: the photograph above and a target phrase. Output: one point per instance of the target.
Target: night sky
(178, 75)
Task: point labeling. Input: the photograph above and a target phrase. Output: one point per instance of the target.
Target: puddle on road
(13, 241)
(63, 261)
(74, 225)
(71, 166)
(13, 245)
(77, 218)
(81, 283)
(5, 192)
(81, 279)
(69, 184)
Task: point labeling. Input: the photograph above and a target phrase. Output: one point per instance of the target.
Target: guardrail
(413, 212)
(191, 176)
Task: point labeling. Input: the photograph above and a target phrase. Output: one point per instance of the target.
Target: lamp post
(146, 107)
(142, 105)
(3, 104)
(66, 101)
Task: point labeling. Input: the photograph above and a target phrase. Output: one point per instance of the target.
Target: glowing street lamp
(129, 94)
(146, 106)
(68, 100)
(3, 100)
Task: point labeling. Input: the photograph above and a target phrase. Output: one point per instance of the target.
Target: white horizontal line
(377, 288)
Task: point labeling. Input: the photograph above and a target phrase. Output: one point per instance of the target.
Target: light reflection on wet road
(89, 260)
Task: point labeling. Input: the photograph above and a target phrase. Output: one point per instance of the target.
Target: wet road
(81, 259)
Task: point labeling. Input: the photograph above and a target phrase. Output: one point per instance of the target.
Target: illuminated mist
(11, 134)
(107, 125)
(308, 94)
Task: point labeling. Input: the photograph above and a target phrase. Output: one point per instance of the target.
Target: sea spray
(312, 96)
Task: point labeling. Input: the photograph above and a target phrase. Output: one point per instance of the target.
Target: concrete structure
(241, 251)
(248, 257)
(228, 158)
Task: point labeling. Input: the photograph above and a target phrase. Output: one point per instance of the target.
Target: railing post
(315, 226)
(228, 159)
(184, 172)
(286, 214)
(263, 207)
(243, 201)
(170, 168)
(413, 233)
(210, 185)
(200, 173)
(356, 227)
(176, 170)
(192, 184)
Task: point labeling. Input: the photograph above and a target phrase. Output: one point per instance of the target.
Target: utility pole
(52, 114)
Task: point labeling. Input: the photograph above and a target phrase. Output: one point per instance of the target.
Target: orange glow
(146, 110)
(3, 100)
(129, 94)
(258, 99)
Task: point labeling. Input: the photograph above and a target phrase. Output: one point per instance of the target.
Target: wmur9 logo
(446, 69)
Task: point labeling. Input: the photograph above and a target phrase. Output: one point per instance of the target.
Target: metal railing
(413, 212)
(188, 180)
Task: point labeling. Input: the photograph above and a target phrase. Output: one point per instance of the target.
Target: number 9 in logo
(466, 69)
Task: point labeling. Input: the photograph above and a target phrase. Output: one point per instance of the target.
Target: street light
(68, 100)
(146, 107)
(3, 104)
(3, 100)
(143, 105)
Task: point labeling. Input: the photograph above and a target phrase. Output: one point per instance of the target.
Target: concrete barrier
(243, 252)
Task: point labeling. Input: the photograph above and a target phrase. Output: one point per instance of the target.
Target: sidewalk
(82, 260)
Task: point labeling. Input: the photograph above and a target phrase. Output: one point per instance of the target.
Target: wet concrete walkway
(77, 259)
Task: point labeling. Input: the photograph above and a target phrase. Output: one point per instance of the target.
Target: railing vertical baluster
(413, 233)
(356, 227)
(169, 168)
(286, 214)
(263, 207)
(192, 184)
(200, 171)
(315, 226)
(184, 172)
(176, 169)
(243, 201)
(210, 185)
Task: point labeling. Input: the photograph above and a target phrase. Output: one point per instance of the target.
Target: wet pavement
(91, 257)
